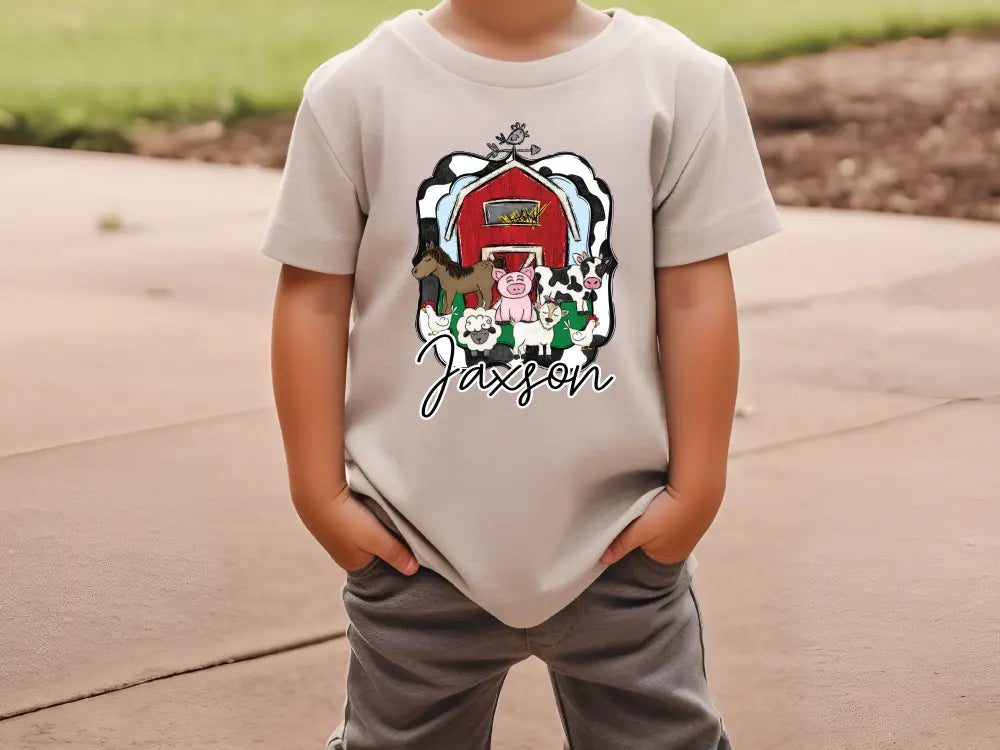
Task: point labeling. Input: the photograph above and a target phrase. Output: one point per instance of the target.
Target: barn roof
(537, 176)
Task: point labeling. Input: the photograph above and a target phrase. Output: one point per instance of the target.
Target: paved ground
(849, 586)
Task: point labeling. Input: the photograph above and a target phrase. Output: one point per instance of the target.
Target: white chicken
(585, 337)
(433, 323)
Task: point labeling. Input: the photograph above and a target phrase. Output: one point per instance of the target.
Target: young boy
(469, 182)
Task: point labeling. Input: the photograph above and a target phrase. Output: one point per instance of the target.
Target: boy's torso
(509, 433)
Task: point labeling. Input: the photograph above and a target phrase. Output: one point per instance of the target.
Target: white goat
(538, 332)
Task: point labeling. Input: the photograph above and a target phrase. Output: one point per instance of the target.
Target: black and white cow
(577, 282)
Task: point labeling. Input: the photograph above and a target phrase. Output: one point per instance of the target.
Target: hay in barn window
(525, 216)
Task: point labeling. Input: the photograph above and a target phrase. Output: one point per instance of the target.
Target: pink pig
(515, 287)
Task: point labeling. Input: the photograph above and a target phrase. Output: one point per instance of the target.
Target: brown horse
(455, 278)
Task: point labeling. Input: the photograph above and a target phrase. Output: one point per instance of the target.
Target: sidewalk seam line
(208, 419)
(249, 656)
(861, 427)
(875, 287)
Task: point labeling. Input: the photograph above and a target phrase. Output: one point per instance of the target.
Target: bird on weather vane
(513, 140)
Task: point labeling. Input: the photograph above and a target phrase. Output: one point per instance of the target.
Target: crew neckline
(413, 26)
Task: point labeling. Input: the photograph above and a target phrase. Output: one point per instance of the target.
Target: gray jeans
(626, 661)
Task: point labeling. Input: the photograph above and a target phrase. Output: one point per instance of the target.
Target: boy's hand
(312, 313)
(699, 359)
(353, 536)
(667, 531)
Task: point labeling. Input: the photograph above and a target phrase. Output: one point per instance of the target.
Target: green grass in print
(560, 338)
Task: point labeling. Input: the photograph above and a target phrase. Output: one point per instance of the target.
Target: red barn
(483, 217)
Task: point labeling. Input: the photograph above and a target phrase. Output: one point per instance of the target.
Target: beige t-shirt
(502, 221)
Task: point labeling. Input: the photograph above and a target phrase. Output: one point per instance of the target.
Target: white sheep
(478, 329)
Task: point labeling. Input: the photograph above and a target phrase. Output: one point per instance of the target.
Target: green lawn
(72, 67)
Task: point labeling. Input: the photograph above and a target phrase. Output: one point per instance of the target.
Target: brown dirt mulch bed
(911, 126)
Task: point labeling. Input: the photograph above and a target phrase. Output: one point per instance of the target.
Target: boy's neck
(517, 29)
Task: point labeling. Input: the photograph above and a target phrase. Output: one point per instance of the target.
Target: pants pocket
(368, 568)
(656, 564)
(650, 576)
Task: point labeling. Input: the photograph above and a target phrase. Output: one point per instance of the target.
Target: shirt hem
(759, 221)
(306, 260)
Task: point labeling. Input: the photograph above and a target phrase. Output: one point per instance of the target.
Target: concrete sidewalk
(849, 585)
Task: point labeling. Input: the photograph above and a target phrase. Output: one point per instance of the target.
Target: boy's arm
(699, 356)
(309, 369)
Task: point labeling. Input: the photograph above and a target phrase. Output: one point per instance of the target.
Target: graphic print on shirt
(514, 265)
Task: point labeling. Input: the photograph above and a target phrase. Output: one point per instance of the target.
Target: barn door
(514, 257)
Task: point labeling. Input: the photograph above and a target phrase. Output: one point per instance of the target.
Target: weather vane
(513, 140)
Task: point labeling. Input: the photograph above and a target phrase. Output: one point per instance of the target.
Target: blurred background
(904, 125)
(156, 589)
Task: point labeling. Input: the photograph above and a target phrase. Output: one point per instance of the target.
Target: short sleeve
(713, 197)
(316, 222)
